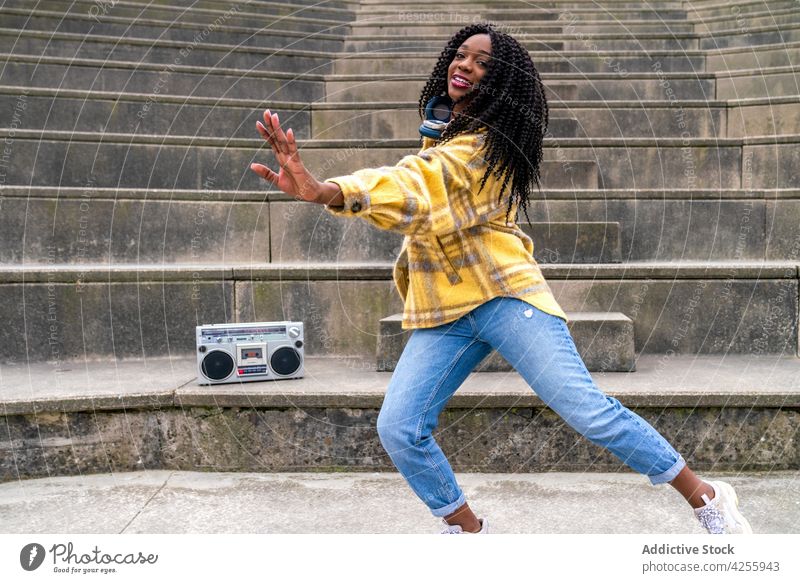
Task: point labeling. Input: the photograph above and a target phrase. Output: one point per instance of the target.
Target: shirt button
(355, 207)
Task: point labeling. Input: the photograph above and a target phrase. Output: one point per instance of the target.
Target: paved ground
(192, 502)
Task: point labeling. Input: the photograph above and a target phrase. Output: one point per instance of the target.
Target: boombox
(260, 351)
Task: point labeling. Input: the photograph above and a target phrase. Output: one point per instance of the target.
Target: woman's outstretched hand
(294, 178)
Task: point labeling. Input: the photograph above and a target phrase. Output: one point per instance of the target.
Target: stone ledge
(234, 196)
(309, 271)
(741, 381)
(108, 138)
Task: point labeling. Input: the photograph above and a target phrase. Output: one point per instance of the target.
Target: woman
(469, 280)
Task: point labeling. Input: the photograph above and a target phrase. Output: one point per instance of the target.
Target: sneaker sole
(732, 510)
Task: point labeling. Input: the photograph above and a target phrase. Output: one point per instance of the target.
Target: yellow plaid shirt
(457, 252)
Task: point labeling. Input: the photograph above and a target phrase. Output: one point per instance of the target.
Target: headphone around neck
(437, 116)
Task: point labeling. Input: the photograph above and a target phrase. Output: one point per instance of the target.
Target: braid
(510, 101)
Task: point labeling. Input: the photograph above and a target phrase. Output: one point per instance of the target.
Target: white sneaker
(456, 528)
(721, 514)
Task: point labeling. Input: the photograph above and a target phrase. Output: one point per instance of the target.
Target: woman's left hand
(294, 178)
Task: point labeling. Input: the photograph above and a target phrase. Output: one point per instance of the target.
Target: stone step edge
(688, 5)
(293, 393)
(230, 48)
(81, 274)
(308, 77)
(252, 4)
(108, 138)
(250, 73)
(558, 37)
(246, 196)
(627, 22)
(766, 47)
(180, 11)
(610, 104)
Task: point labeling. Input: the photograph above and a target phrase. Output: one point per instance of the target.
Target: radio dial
(294, 331)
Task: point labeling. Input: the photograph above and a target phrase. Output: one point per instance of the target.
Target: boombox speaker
(259, 351)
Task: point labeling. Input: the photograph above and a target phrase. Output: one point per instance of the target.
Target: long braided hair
(509, 100)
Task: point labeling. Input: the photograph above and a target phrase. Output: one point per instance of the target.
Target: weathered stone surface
(61, 321)
(166, 116)
(39, 72)
(88, 230)
(574, 242)
(671, 229)
(696, 316)
(340, 317)
(773, 166)
(303, 232)
(782, 220)
(604, 341)
(335, 439)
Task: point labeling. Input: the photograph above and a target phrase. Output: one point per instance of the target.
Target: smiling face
(468, 67)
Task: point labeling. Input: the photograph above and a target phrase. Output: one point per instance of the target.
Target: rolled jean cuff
(670, 473)
(450, 508)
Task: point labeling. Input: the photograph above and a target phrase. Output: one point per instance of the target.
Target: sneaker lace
(451, 528)
(712, 520)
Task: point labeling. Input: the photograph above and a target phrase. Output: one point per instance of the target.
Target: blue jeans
(539, 346)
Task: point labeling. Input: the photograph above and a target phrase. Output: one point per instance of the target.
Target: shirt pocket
(400, 271)
(452, 273)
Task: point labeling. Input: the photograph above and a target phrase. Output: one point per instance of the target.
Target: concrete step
(604, 341)
(512, 14)
(744, 83)
(199, 11)
(118, 112)
(208, 27)
(71, 418)
(579, 59)
(735, 18)
(764, 56)
(356, 502)
(144, 226)
(115, 112)
(412, 40)
(157, 81)
(567, 120)
(573, 242)
(703, 11)
(470, 5)
(63, 312)
(634, 86)
(752, 36)
(105, 160)
(563, 24)
(312, 54)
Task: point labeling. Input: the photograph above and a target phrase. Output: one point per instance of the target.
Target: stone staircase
(667, 226)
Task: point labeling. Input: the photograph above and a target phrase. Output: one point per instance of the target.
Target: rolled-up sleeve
(433, 192)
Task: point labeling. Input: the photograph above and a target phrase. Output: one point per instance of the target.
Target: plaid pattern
(457, 252)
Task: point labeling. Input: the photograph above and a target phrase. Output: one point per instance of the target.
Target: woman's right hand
(294, 178)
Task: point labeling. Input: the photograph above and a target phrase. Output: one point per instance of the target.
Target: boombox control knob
(202, 349)
(294, 332)
(299, 344)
